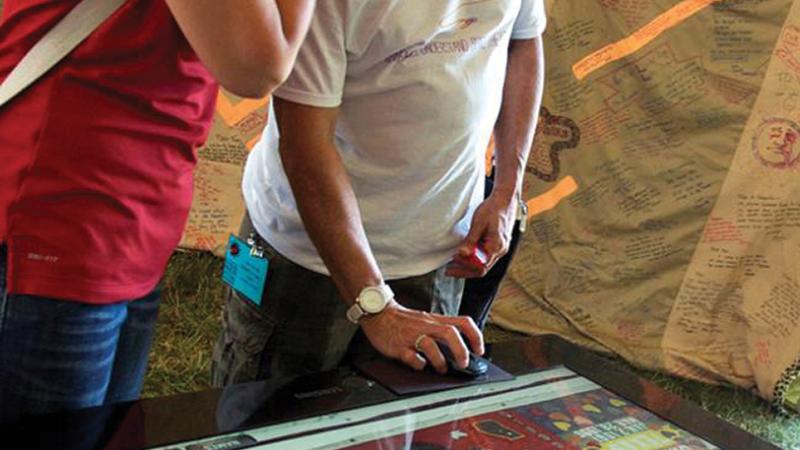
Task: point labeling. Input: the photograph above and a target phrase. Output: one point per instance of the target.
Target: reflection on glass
(552, 409)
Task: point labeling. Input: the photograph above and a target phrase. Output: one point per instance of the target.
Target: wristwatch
(372, 300)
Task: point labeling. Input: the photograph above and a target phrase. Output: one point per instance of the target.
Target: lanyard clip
(256, 250)
(522, 214)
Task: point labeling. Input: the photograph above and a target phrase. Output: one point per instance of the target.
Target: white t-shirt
(419, 85)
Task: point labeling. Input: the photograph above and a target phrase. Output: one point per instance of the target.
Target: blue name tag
(243, 271)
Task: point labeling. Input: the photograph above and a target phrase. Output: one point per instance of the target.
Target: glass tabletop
(561, 397)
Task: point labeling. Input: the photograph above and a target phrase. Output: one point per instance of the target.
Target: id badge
(245, 269)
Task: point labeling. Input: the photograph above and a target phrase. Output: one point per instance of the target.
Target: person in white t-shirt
(366, 189)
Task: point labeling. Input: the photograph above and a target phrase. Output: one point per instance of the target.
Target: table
(562, 397)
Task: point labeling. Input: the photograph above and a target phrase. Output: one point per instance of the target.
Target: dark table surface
(187, 417)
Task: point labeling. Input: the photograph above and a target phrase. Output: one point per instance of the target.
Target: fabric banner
(661, 186)
(218, 206)
(677, 121)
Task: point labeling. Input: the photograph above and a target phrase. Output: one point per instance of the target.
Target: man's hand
(395, 331)
(491, 230)
(494, 219)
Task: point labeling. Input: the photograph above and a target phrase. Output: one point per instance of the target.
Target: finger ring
(418, 342)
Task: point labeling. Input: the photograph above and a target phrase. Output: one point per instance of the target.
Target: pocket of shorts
(245, 332)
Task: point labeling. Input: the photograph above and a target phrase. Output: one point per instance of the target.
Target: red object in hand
(478, 258)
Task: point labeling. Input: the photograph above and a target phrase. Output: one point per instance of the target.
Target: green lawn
(190, 320)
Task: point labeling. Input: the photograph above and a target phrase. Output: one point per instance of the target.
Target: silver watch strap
(355, 313)
(387, 291)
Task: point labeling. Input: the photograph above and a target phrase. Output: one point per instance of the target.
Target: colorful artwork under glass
(548, 410)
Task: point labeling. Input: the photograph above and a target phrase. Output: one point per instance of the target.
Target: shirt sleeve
(531, 20)
(317, 78)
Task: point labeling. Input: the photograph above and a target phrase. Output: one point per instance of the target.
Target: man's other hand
(410, 336)
(492, 225)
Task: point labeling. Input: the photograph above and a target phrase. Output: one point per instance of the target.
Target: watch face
(372, 301)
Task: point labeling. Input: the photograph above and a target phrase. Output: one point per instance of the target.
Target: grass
(190, 322)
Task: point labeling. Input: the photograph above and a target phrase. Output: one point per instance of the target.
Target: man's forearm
(516, 125)
(330, 213)
(332, 219)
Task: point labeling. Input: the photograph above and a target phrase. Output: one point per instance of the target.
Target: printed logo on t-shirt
(461, 17)
(43, 258)
(457, 20)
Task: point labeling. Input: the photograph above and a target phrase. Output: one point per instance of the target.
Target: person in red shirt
(96, 162)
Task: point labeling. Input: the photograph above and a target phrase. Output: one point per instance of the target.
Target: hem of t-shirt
(420, 266)
(308, 98)
(529, 33)
(75, 290)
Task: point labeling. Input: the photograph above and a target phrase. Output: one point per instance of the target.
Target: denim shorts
(59, 355)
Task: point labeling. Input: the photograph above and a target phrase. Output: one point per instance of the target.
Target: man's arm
(328, 207)
(248, 45)
(493, 221)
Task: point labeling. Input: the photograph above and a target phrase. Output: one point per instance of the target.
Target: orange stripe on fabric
(233, 114)
(640, 38)
(550, 199)
(490, 156)
(252, 142)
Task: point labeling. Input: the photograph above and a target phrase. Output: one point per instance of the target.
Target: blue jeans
(57, 355)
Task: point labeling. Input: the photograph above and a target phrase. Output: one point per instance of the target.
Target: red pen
(478, 257)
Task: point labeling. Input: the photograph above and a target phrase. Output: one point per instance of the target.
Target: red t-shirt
(96, 158)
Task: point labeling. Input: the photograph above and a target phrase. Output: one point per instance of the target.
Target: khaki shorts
(301, 327)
